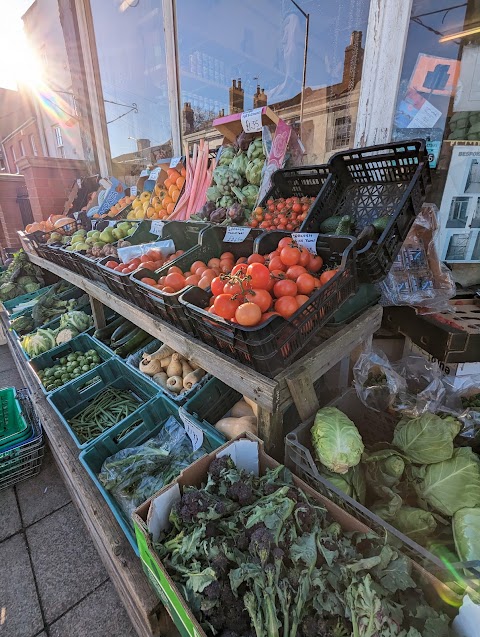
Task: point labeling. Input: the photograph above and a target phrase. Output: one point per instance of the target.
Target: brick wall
(10, 217)
(49, 181)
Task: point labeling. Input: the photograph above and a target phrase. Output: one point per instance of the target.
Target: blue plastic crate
(135, 430)
(73, 397)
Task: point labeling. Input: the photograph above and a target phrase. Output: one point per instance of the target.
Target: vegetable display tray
(449, 337)
(271, 346)
(24, 298)
(368, 183)
(81, 343)
(211, 403)
(89, 268)
(73, 397)
(305, 181)
(211, 245)
(134, 361)
(23, 459)
(374, 427)
(13, 426)
(135, 430)
(72, 293)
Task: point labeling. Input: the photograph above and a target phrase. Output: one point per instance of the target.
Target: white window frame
(57, 131)
(14, 155)
(33, 145)
(22, 148)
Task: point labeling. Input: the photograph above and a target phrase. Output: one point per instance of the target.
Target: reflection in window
(22, 148)
(33, 145)
(457, 247)
(476, 249)
(260, 62)
(476, 215)
(457, 217)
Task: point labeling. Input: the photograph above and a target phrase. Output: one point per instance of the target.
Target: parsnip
(165, 362)
(162, 352)
(161, 379)
(174, 384)
(186, 369)
(193, 378)
(150, 367)
(175, 367)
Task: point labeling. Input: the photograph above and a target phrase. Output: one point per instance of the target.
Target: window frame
(33, 145)
(21, 147)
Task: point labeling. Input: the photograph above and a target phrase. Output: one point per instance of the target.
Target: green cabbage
(352, 483)
(466, 533)
(426, 439)
(9, 291)
(389, 504)
(76, 319)
(450, 485)
(416, 523)
(336, 441)
(384, 467)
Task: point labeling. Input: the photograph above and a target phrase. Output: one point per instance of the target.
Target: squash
(252, 404)
(240, 409)
(150, 367)
(193, 378)
(161, 379)
(232, 427)
(175, 367)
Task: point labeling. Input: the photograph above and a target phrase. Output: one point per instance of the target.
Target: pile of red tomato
(282, 214)
(151, 260)
(261, 286)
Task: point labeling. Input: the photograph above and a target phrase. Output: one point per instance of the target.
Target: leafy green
(450, 485)
(352, 483)
(414, 522)
(426, 439)
(383, 467)
(336, 441)
(466, 533)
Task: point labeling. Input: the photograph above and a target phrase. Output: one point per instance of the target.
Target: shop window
(59, 141)
(476, 249)
(14, 157)
(457, 247)
(457, 217)
(22, 148)
(33, 145)
(227, 70)
(476, 215)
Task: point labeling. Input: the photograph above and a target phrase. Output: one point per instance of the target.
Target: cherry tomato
(285, 288)
(216, 285)
(204, 283)
(149, 265)
(226, 266)
(260, 275)
(281, 226)
(227, 255)
(301, 299)
(256, 258)
(280, 206)
(167, 289)
(175, 281)
(315, 263)
(294, 271)
(161, 280)
(214, 263)
(306, 283)
(277, 264)
(148, 281)
(327, 275)
(297, 207)
(254, 223)
(248, 314)
(261, 298)
(225, 306)
(290, 255)
(241, 260)
(231, 287)
(286, 306)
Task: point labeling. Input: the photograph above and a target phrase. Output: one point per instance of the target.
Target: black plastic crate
(184, 236)
(367, 183)
(272, 345)
(305, 181)
(167, 306)
(375, 428)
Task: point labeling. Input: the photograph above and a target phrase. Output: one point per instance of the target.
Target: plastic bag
(134, 474)
(166, 247)
(463, 402)
(376, 383)
(425, 389)
(418, 277)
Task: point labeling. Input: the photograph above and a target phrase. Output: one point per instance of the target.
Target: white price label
(144, 173)
(252, 120)
(192, 430)
(236, 234)
(175, 161)
(154, 174)
(112, 224)
(307, 240)
(133, 191)
(157, 227)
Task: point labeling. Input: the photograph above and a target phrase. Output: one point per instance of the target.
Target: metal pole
(304, 79)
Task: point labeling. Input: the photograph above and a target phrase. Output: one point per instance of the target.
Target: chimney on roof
(188, 118)
(259, 98)
(353, 62)
(236, 97)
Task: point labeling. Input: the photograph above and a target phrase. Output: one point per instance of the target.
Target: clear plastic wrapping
(425, 389)
(134, 474)
(418, 278)
(166, 247)
(376, 383)
(463, 402)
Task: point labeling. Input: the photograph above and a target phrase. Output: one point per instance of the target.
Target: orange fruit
(167, 183)
(184, 172)
(166, 201)
(170, 208)
(175, 194)
(180, 181)
(173, 174)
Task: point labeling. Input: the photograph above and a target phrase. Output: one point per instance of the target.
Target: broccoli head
(241, 492)
(304, 516)
(220, 565)
(261, 541)
(213, 590)
(225, 463)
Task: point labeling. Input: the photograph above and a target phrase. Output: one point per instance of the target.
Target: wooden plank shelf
(273, 396)
(147, 614)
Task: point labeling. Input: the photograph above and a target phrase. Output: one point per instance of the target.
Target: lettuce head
(336, 441)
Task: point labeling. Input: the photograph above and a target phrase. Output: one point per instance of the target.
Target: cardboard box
(152, 517)
(230, 126)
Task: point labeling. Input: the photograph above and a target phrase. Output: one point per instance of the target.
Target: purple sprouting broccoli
(225, 463)
(213, 590)
(242, 541)
(304, 515)
(195, 502)
(220, 565)
(211, 530)
(241, 492)
(260, 544)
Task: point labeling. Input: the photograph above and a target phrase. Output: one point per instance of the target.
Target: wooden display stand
(273, 397)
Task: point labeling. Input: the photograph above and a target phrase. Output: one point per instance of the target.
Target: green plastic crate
(73, 397)
(14, 429)
(24, 298)
(131, 432)
(210, 403)
(81, 343)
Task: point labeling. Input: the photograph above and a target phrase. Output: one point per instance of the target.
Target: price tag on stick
(157, 227)
(235, 234)
(252, 120)
(133, 191)
(154, 173)
(307, 240)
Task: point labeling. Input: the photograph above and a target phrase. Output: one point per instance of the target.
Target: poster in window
(458, 239)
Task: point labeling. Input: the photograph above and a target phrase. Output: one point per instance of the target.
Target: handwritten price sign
(307, 240)
(252, 120)
(236, 235)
